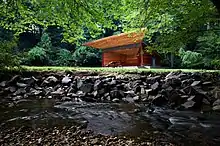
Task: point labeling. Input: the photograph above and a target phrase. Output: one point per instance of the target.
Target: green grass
(100, 69)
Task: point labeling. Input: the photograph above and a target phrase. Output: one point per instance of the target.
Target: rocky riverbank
(104, 100)
(194, 91)
(72, 136)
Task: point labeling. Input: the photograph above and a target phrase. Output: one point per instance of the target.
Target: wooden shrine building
(126, 49)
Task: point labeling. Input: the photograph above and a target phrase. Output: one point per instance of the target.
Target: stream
(187, 127)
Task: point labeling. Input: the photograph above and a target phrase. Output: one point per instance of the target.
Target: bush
(209, 46)
(87, 57)
(37, 56)
(190, 59)
(7, 58)
(64, 58)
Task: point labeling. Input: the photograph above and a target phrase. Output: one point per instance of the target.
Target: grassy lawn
(100, 69)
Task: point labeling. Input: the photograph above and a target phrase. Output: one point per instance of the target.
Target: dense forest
(51, 32)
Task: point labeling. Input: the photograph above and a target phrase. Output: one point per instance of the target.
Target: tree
(175, 23)
(71, 15)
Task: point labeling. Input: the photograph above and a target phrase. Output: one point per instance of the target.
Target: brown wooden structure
(126, 49)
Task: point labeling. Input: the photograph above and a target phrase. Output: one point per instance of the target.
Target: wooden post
(142, 55)
(103, 59)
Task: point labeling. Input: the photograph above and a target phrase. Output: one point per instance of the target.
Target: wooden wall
(111, 56)
(128, 58)
(148, 59)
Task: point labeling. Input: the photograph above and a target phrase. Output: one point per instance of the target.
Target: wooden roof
(117, 40)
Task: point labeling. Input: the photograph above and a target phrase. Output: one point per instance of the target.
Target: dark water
(186, 127)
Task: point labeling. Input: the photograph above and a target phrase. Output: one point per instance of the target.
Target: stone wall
(196, 91)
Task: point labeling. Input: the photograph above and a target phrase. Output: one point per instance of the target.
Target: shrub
(64, 58)
(87, 57)
(7, 58)
(190, 59)
(37, 56)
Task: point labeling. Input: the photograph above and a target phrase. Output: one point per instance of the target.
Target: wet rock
(128, 99)
(11, 89)
(189, 90)
(189, 104)
(216, 108)
(21, 85)
(217, 102)
(216, 92)
(131, 92)
(155, 86)
(205, 101)
(29, 81)
(94, 141)
(19, 91)
(101, 91)
(137, 89)
(116, 94)
(174, 97)
(97, 84)
(3, 84)
(208, 83)
(52, 79)
(154, 78)
(16, 98)
(58, 92)
(66, 99)
(95, 93)
(195, 83)
(36, 92)
(159, 100)
(170, 75)
(80, 93)
(86, 88)
(198, 99)
(136, 98)
(143, 90)
(115, 100)
(79, 83)
(66, 80)
(14, 79)
(148, 92)
(113, 82)
(108, 98)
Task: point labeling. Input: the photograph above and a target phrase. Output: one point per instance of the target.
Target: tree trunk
(217, 5)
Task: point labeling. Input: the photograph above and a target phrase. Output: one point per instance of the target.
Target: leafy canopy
(172, 22)
(72, 15)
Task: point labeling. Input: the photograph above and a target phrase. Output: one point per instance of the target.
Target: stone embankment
(190, 91)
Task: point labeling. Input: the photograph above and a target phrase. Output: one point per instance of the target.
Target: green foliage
(45, 42)
(209, 46)
(190, 59)
(174, 23)
(72, 16)
(85, 56)
(7, 58)
(37, 56)
(64, 58)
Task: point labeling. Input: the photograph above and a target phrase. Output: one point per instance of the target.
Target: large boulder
(98, 84)
(86, 87)
(159, 100)
(155, 86)
(66, 80)
(189, 104)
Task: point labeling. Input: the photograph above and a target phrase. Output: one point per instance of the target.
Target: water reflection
(183, 126)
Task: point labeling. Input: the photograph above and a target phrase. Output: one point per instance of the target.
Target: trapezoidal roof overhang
(122, 39)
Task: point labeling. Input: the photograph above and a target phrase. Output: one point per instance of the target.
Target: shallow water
(186, 127)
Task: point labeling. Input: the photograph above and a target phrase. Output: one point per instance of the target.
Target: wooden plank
(117, 40)
(130, 46)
